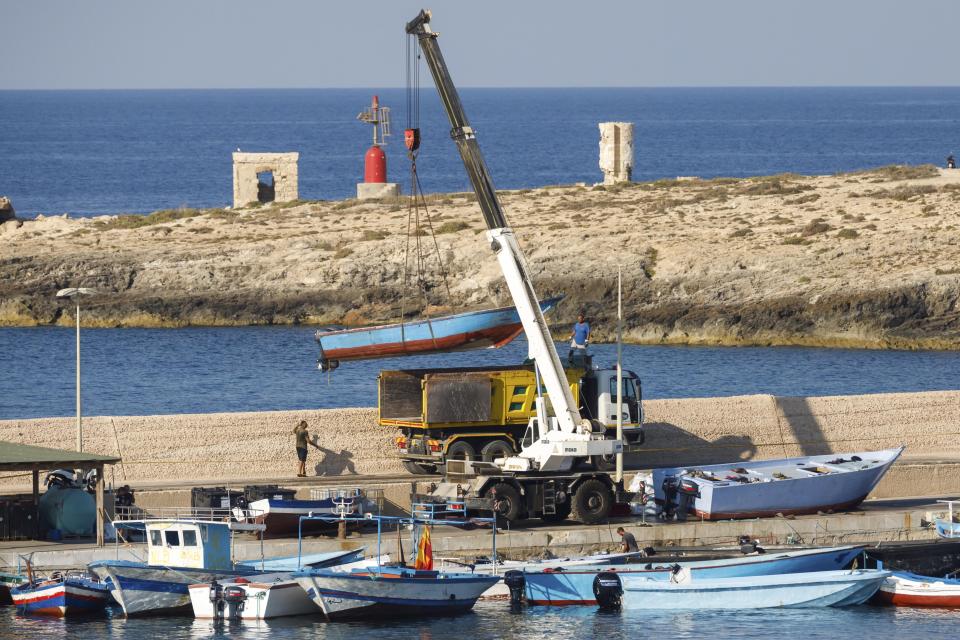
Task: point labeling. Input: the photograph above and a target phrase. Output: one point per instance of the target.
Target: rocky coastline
(867, 259)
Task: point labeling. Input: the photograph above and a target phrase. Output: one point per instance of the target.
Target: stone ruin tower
(616, 151)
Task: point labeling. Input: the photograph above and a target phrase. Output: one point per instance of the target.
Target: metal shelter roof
(20, 457)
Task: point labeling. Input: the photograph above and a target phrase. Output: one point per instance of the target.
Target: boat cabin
(191, 544)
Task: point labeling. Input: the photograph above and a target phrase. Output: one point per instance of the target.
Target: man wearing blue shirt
(580, 336)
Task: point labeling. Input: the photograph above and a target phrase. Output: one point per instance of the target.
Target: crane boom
(501, 236)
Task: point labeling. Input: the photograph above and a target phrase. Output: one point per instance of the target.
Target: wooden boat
(282, 517)
(755, 489)
(266, 596)
(905, 589)
(63, 596)
(574, 585)
(817, 589)
(492, 328)
(181, 552)
(392, 591)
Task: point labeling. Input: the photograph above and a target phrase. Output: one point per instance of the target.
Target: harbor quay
(874, 523)
(172, 451)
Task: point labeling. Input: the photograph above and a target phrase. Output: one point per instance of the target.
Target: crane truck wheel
(592, 502)
(506, 501)
(418, 469)
(461, 450)
(496, 449)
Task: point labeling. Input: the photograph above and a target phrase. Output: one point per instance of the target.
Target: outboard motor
(608, 590)
(216, 598)
(234, 597)
(687, 491)
(749, 546)
(516, 583)
(669, 487)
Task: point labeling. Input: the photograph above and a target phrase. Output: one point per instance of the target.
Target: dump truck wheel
(592, 502)
(461, 450)
(418, 469)
(496, 449)
(507, 501)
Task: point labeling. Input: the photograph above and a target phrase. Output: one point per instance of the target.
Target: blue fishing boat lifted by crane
(491, 328)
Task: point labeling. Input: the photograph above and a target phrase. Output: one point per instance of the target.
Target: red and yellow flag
(424, 559)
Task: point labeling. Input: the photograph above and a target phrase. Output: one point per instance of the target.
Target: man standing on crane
(579, 337)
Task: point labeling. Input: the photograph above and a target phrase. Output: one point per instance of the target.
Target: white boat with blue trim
(392, 591)
(818, 589)
(761, 488)
(574, 585)
(182, 552)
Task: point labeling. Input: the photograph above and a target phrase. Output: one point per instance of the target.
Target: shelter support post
(100, 507)
(36, 503)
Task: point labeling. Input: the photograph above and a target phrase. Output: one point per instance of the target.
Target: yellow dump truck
(482, 413)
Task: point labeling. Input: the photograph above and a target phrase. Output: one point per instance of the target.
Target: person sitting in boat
(579, 337)
(303, 439)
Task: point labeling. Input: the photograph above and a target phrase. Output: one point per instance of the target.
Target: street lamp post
(76, 292)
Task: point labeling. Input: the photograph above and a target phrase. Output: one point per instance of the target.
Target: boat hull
(144, 590)
(844, 488)
(474, 330)
(911, 590)
(61, 599)
(820, 589)
(365, 595)
(574, 586)
(264, 600)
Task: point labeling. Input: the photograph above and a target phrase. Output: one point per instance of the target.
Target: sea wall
(233, 447)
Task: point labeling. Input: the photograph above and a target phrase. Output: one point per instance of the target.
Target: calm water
(94, 152)
(495, 620)
(151, 371)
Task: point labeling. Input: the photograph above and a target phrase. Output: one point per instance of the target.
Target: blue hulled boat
(492, 328)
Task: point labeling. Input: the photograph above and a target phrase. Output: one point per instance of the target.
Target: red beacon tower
(375, 160)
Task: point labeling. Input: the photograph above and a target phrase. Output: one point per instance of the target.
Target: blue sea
(497, 620)
(202, 370)
(105, 152)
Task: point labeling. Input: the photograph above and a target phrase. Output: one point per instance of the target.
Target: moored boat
(949, 527)
(7, 582)
(763, 488)
(62, 596)
(282, 517)
(392, 591)
(263, 597)
(905, 589)
(182, 552)
(818, 589)
(490, 328)
(575, 585)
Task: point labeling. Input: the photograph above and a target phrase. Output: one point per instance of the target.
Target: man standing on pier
(303, 439)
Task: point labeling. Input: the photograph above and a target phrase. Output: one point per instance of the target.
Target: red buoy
(375, 165)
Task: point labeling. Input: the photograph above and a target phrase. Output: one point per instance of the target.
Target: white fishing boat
(752, 489)
(391, 591)
(818, 589)
(261, 597)
(185, 551)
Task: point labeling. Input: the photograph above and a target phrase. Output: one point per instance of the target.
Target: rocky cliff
(862, 259)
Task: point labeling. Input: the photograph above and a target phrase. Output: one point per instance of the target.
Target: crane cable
(417, 209)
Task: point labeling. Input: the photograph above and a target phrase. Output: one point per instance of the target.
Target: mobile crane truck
(553, 475)
(482, 413)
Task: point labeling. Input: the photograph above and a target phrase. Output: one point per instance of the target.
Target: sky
(130, 44)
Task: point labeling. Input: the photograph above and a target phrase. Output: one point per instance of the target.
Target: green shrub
(740, 233)
(452, 226)
(814, 227)
(795, 240)
(372, 234)
(847, 234)
(343, 252)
